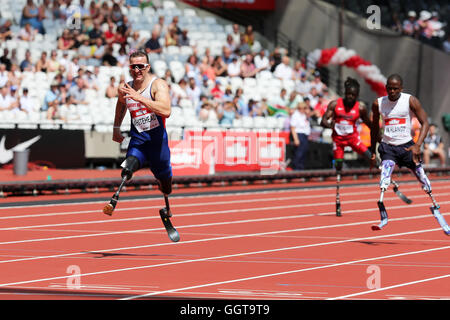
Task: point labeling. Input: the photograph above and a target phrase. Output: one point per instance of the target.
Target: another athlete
(397, 146)
(342, 116)
(148, 100)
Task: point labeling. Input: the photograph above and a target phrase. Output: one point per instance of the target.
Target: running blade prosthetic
(171, 231)
(383, 215)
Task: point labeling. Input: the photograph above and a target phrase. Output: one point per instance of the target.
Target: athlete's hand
(373, 161)
(117, 135)
(129, 92)
(415, 149)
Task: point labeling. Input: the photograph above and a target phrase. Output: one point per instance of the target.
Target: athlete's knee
(387, 167)
(165, 185)
(130, 166)
(422, 177)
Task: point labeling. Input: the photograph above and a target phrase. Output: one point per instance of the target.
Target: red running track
(254, 243)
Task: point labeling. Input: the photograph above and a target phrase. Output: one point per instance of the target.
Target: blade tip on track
(108, 209)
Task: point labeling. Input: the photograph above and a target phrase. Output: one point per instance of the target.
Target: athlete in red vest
(341, 116)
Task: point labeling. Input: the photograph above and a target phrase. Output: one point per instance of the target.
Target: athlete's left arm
(416, 108)
(364, 115)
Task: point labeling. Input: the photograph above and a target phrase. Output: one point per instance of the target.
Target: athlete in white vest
(397, 146)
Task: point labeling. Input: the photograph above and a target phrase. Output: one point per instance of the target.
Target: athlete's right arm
(375, 127)
(121, 109)
(327, 118)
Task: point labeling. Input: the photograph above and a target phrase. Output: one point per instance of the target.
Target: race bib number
(343, 129)
(142, 119)
(395, 126)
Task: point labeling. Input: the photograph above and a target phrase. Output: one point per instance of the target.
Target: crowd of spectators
(104, 36)
(426, 27)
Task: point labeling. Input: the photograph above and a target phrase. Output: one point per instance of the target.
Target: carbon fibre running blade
(383, 216)
(338, 209)
(171, 231)
(437, 214)
(402, 196)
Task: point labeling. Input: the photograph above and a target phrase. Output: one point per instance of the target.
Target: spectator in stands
(96, 32)
(297, 71)
(7, 101)
(45, 11)
(51, 101)
(160, 28)
(425, 32)
(53, 63)
(108, 58)
(116, 13)
(112, 91)
(30, 14)
(317, 82)
(132, 3)
(192, 67)
(261, 61)
(42, 65)
(206, 69)
(121, 36)
(4, 77)
(279, 105)
(77, 93)
(66, 40)
(85, 52)
(228, 94)
(15, 75)
(243, 48)
(283, 71)
(313, 96)
(207, 113)
(230, 44)
(216, 91)
(183, 39)
(220, 67)
(27, 64)
(168, 76)
(5, 31)
(135, 42)
(249, 35)
(122, 58)
(56, 10)
(437, 32)
(304, 85)
(240, 103)
(13, 58)
(153, 45)
(4, 59)
(227, 113)
(300, 130)
(104, 12)
(174, 25)
(90, 78)
(248, 69)
(410, 26)
(94, 9)
(27, 33)
(275, 59)
(171, 38)
(99, 50)
(433, 146)
(179, 91)
(73, 66)
(293, 100)
(236, 34)
(193, 92)
(110, 34)
(27, 104)
(234, 68)
(227, 55)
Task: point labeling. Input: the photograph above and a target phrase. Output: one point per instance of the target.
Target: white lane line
(216, 212)
(389, 287)
(246, 254)
(199, 240)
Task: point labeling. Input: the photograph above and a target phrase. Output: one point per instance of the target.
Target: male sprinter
(148, 100)
(341, 116)
(397, 146)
